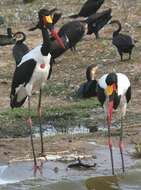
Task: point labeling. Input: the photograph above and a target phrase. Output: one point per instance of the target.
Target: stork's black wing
(22, 76)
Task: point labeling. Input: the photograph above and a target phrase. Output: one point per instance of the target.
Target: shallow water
(50, 130)
(19, 176)
(129, 181)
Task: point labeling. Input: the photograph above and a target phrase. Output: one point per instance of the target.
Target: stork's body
(114, 89)
(33, 70)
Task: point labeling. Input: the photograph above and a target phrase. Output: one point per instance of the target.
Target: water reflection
(50, 130)
(103, 183)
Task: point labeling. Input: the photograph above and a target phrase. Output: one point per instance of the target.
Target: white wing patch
(123, 83)
(21, 92)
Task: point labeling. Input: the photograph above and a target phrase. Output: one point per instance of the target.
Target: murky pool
(19, 175)
(130, 181)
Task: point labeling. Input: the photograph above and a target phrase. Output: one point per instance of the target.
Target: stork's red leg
(110, 145)
(121, 146)
(40, 123)
(29, 123)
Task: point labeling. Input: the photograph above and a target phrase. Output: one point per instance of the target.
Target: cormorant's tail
(74, 16)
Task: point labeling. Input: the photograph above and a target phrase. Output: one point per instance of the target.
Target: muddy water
(130, 181)
(19, 176)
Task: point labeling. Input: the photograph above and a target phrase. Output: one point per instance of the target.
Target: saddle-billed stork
(113, 90)
(123, 42)
(34, 70)
(90, 7)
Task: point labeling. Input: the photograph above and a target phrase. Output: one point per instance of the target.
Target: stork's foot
(29, 122)
(38, 168)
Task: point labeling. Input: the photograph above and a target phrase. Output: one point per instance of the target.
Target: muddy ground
(70, 70)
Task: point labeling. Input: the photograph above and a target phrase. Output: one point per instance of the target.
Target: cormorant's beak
(93, 72)
(49, 22)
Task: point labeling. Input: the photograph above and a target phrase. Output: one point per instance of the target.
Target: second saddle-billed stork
(33, 70)
(113, 90)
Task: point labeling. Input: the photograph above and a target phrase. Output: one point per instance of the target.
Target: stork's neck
(45, 49)
(118, 30)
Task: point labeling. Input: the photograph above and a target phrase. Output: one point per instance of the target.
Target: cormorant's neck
(118, 30)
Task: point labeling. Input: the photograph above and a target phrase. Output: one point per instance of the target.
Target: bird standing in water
(34, 70)
(114, 89)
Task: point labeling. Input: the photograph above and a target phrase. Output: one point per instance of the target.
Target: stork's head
(46, 21)
(111, 81)
(45, 18)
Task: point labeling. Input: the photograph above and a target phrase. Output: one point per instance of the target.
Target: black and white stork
(114, 89)
(99, 20)
(20, 48)
(123, 42)
(90, 7)
(34, 70)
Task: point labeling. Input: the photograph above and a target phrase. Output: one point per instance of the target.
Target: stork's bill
(48, 21)
(110, 89)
